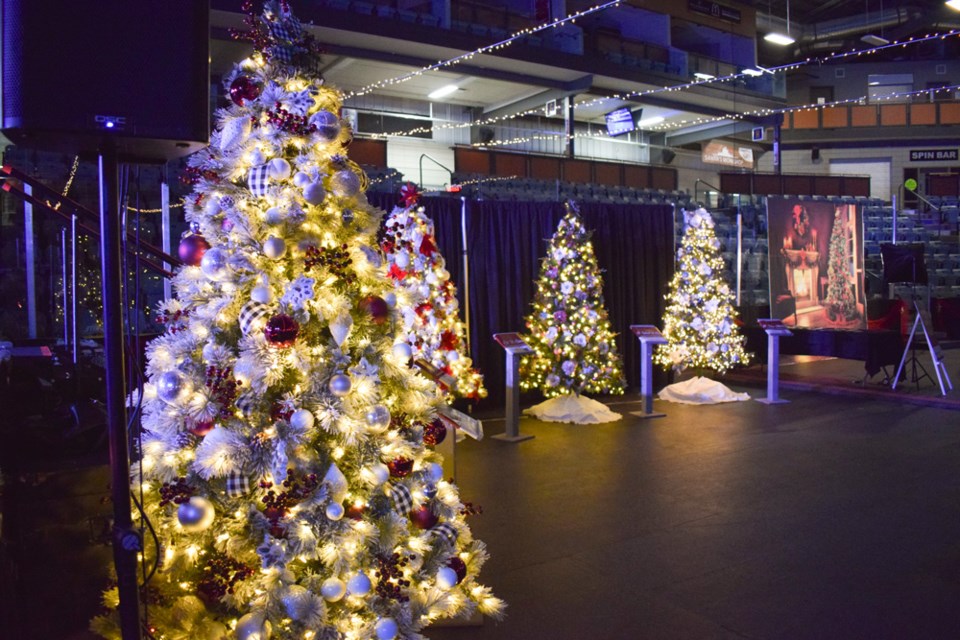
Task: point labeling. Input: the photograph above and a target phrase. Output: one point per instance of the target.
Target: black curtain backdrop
(506, 241)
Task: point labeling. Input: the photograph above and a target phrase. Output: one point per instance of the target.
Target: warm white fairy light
(485, 49)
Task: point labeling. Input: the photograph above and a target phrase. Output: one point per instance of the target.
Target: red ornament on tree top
(376, 307)
(192, 248)
(424, 518)
(244, 88)
(409, 194)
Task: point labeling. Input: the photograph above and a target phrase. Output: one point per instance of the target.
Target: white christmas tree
(427, 298)
(286, 466)
(700, 320)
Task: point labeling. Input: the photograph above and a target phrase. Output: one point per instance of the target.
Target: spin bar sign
(919, 155)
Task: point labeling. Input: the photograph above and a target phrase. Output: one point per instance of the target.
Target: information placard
(647, 332)
(774, 327)
(512, 342)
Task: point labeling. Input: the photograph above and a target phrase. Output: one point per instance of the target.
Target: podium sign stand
(514, 346)
(649, 336)
(774, 328)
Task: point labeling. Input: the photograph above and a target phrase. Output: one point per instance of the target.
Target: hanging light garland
(632, 95)
(485, 49)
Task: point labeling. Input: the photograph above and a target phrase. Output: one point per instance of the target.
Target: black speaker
(815, 154)
(667, 156)
(77, 74)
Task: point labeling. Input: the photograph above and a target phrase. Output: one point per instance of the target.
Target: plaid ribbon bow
(237, 484)
(258, 180)
(400, 497)
(446, 532)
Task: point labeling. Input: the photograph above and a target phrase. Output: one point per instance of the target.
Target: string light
(633, 95)
(485, 49)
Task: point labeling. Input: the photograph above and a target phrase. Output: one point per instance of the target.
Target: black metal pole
(126, 540)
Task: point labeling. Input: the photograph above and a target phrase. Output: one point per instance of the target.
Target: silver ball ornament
(171, 386)
(340, 385)
(402, 350)
(347, 216)
(314, 192)
(430, 491)
(378, 417)
(359, 585)
(327, 124)
(194, 227)
(253, 627)
(195, 515)
(345, 183)
(274, 247)
(273, 216)
(301, 419)
(334, 511)
(296, 601)
(279, 169)
(214, 264)
(446, 578)
(333, 589)
(386, 629)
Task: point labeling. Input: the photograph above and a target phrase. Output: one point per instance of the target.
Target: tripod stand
(935, 356)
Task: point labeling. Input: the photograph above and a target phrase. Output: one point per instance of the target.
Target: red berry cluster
(193, 175)
(280, 411)
(223, 388)
(470, 509)
(289, 122)
(221, 573)
(278, 504)
(177, 492)
(176, 321)
(390, 581)
(335, 259)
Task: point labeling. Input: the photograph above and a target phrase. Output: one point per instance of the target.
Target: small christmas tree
(700, 321)
(840, 301)
(574, 348)
(427, 298)
(286, 460)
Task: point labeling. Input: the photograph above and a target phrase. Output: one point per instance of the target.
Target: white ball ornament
(279, 169)
(386, 629)
(257, 157)
(301, 179)
(334, 511)
(253, 627)
(314, 192)
(452, 356)
(212, 207)
(402, 259)
(333, 589)
(446, 578)
(340, 385)
(359, 585)
(274, 247)
(262, 294)
(296, 601)
(327, 124)
(431, 277)
(172, 386)
(378, 473)
(402, 350)
(434, 472)
(345, 183)
(195, 515)
(301, 419)
(391, 299)
(213, 264)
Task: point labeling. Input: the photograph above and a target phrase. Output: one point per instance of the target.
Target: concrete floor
(833, 516)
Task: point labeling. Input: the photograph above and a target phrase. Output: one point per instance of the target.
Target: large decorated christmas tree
(427, 298)
(286, 465)
(840, 301)
(568, 328)
(700, 320)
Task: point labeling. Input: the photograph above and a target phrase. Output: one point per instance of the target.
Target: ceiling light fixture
(646, 123)
(953, 4)
(782, 39)
(442, 92)
(873, 40)
(706, 76)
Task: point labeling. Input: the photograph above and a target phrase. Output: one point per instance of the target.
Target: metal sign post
(774, 328)
(649, 336)
(514, 346)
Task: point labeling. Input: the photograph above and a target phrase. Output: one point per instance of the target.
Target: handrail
(696, 187)
(436, 162)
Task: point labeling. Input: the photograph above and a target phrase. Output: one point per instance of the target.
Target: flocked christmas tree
(840, 302)
(700, 320)
(286, 463)
(568, 327)
(427, 298)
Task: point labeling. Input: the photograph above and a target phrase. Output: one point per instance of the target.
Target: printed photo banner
(816, 263)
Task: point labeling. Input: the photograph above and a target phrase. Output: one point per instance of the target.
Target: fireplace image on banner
(816, 263)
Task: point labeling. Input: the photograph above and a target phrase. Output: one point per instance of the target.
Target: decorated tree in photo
(568, 327)
(286, 458)
(427, 298)
(700, 320)
(840, 300)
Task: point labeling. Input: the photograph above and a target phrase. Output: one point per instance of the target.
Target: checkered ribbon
(237, 484)
(257, 180)
(285, 30)
(445, 531)
(247, 403)
(251, 316)
(400, 497)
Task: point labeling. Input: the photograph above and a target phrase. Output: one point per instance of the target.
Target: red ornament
(244, 88)
(427, 247)
(448, 341)
(200, 427)
(376, 307)
(281, 330)
(192, 248)
(355, 510)
(459, 566)
(434, 433)
(396, 273)
(424, 518)
(400, 467)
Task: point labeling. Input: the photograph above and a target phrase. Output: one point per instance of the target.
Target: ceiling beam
(571, 88)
